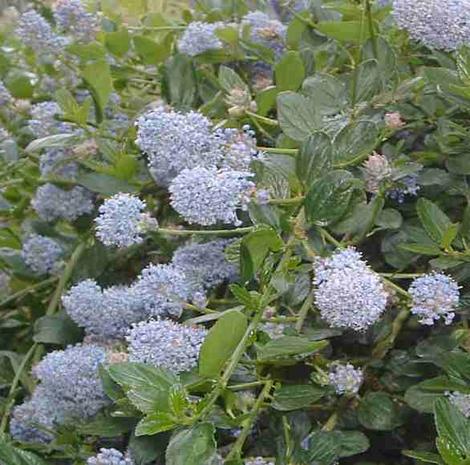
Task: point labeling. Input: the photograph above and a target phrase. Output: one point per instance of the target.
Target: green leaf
(377, 411)
(255, 247)
(98, 77)
(220, 342)
(107, 427)
(389, 218)
(229, 80)
(328, 93)
(10, 455)
(422, 249)
(118, 42)
(355, 32)
(146, 450)
(329, 197)
(422, 396)
(104, 183)
(180, 81)
(284, 349)
(452, 426)
(368, 82)
(155, 423)
(322, 448)
(150, 51)
(20, 84)
(297, 115)
(56, 140)
(449, 235)
(315, 158)
(56, 329)
(351, 443)
(293, 397)
(354, 142)
(450, 454)
(195, 446)
(423, 456)
(289, 71)
(433, 219)
(147, 387)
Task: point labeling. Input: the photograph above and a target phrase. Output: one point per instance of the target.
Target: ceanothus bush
(235, 232)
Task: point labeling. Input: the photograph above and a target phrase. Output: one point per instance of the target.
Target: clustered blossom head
(393, 120)
(199, 37)
(71, 17)
(121, 221)
(461, 401)
(162, 290)
(349, 294)
(52, 203)
(434, 296)
(269, 33)
(41, 254)
(107, 313)
(238, 148)
(207, 196)
(205, 265)
(174, 141)
(345, 378)
(71, 380)
(44, 120)
(438, 24)
(109, 457)
(35, 32)
(166, 344)
(58, 162)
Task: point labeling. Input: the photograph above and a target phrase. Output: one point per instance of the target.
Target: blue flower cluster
(434, 296)
(109, 457)
(121, 221)
(71, 17)
(349, 294)
(42, 254)
(58, 162)
(52, 203)
(199, 37)
(35, 32)
(461, 401)
(44, 120)
(345, 379)
(438, 24)
(164, 343)
(5, 96)
(70, 389)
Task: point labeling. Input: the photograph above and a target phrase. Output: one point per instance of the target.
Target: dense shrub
(237, 233)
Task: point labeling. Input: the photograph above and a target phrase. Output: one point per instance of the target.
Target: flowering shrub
(235, 232)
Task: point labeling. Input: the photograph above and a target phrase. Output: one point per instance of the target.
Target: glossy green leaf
(285, 347)
(315, 158)
(296, 396)
(377, 411)
(195, 446)
(289, 71)
(433, 219)
(220, 342)
(98, 77)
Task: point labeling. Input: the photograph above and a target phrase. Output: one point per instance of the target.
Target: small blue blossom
(41, 254)
(121, 221)
(434, 296)
(265, 31)
(207, 196)
(71, 379)
(52, 203)
(166, 344)
(349, 294)
(438, 24)
(345, 378)
(205, 265)
(199, 37)
(109, 457)
(174, 141)
(71, 17)
(57, 162)
(162, 290)
(238, 147)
